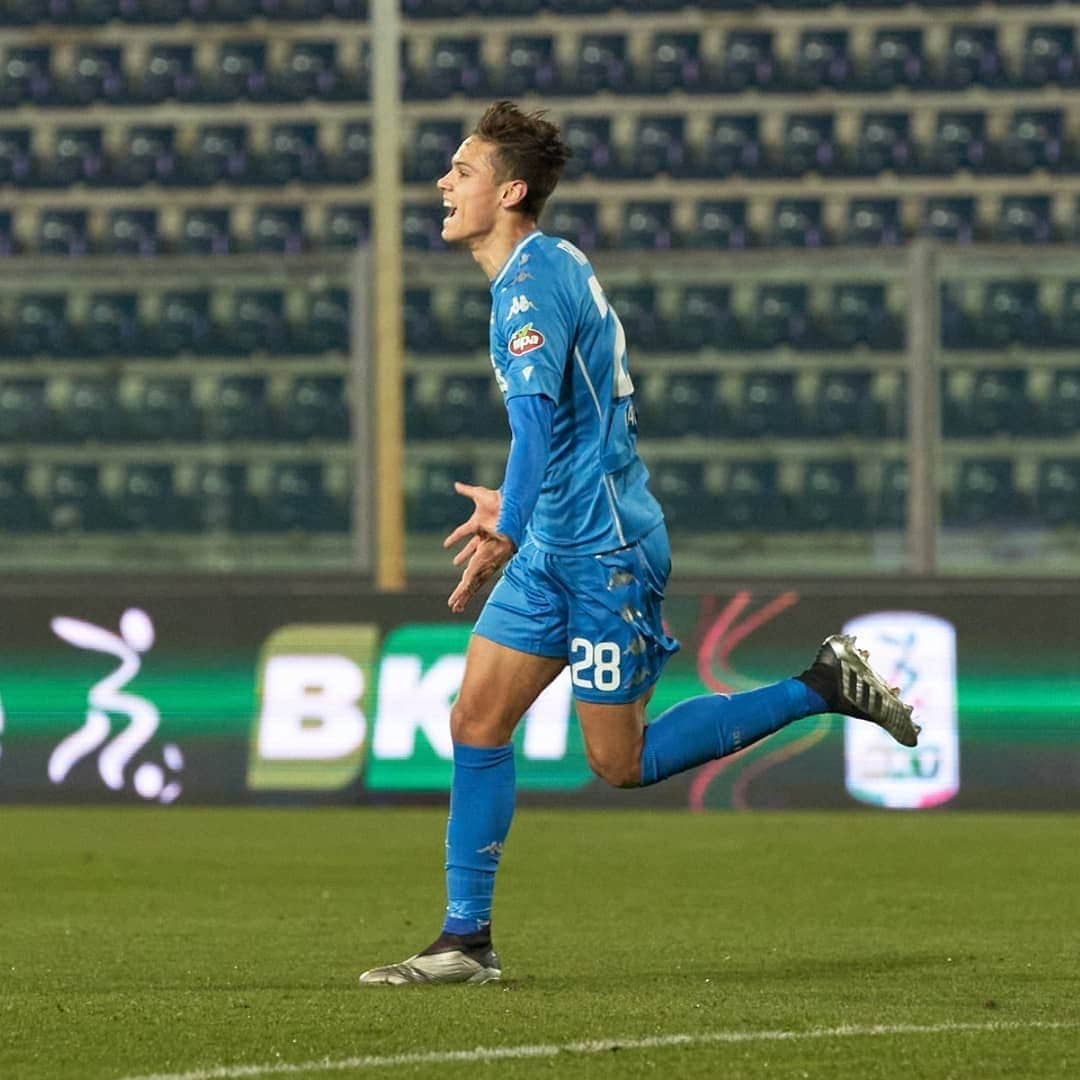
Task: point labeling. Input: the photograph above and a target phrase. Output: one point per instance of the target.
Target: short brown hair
(527, 147)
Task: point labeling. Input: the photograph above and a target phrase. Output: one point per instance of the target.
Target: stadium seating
(1057, 492)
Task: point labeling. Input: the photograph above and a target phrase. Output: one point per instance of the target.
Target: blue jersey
(554, 333)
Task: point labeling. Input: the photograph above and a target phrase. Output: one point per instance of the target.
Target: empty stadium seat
(460, 406)
(781, 317)
(148, 156)
(279, 229)
(529, 67)
(674, 62)
(647, 226)
(347, 226)
(432, 146)
(220, 155)
(1025, 219)
(748, 61)
(162, 409)
(798, 223)
(309, 71)
(733, 146)
(720, 225)
(1050, 56)
(148, 501)
(78, 157)
(589, 137)
(809, 144)
(688, 505)
(577, 222)
(1035, 140)
(315, 408)
(822, 60)
(829, 498)
(637, 311)
(169, 74)
(419, 322)
(1057, 491)
(111, 326)
(1060, 414)
(299, 501)
(326, 325)
(223, 500)
(184, 324)
(703, 319)
(26, 77)
(960, 142)
(206, 231)
(859, 316)
(96, 75)
(888, 507)
(421, 228)
(972, 58)
(884, 143)
(24, 412)
(602, 64)
(873, 222)
(8, 243)
(986, 402)
(660, 147)
(39, 327)
(239, 73)
(91, 412)
(16, 157)
(74, 501)
(257, 323)
(766, 406)
(949, 219)
(352, 161)
(1011, 314)
(468, 328)
(896, 59)
(985, 493)
(131, 232)
(293, 154)
(751, 498)
(19, 511)
(844, 405)
(454, 68)
(675, 405)
(238, 409)
(430, 499)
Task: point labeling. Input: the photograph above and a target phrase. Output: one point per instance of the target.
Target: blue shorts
(601, 613)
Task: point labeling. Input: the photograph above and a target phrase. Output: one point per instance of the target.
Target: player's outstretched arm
(486, 506)
(491, 551)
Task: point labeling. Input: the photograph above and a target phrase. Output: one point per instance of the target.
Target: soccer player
(582, 546)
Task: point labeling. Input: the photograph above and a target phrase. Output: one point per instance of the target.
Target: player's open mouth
(450, 212)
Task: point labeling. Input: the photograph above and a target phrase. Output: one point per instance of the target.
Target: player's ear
(513, 192)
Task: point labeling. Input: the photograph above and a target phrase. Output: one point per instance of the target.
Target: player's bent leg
(613, 737)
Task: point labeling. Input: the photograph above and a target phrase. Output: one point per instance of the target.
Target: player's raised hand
(486, 506)
(490, 552)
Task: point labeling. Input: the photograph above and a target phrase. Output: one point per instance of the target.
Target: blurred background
(842, 238)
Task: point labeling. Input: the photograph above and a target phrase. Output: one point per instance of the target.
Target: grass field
(797, 945)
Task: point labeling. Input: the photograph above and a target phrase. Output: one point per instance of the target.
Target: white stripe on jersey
(609, 487)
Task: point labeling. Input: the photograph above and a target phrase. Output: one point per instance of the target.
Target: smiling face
(472, 196)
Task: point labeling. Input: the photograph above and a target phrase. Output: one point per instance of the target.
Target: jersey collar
(512, 258)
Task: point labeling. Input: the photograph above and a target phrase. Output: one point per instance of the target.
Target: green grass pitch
(198, 941)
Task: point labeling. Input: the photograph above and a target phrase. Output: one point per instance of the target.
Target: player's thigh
(497, 689)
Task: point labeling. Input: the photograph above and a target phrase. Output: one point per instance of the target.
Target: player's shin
(481, 808)
(705, 728)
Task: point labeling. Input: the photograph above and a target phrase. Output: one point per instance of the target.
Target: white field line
(599, 1046)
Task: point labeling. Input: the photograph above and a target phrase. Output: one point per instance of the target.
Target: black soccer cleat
(850, 686)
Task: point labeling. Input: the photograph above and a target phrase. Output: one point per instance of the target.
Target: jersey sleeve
(533, 331)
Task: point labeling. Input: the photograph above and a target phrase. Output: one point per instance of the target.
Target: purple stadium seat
(347, 226)
(720, 224)
(798, 223)
(602, 64)
(873, 222)
(647, 225)
(131, 231)
(148, 156)
(529, 67)
(169, 74)
(733, 146)
(278, 229)
(206, 231)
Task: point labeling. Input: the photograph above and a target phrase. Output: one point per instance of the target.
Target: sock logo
(494, 849)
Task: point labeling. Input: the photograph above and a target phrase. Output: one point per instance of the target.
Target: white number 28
(604, 658)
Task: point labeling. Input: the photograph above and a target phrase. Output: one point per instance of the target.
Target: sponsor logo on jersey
(525, 340)
(519, 306)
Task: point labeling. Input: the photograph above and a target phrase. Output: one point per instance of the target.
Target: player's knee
(470, 726)
(618, 771)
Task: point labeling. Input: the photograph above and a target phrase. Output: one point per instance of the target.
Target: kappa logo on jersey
(519, 306)
(525, 340)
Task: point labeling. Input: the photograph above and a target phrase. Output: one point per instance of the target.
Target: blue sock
(481, 806)
(705, 728)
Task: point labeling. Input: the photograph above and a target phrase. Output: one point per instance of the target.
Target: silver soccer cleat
(452, 966)
(863, 693)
